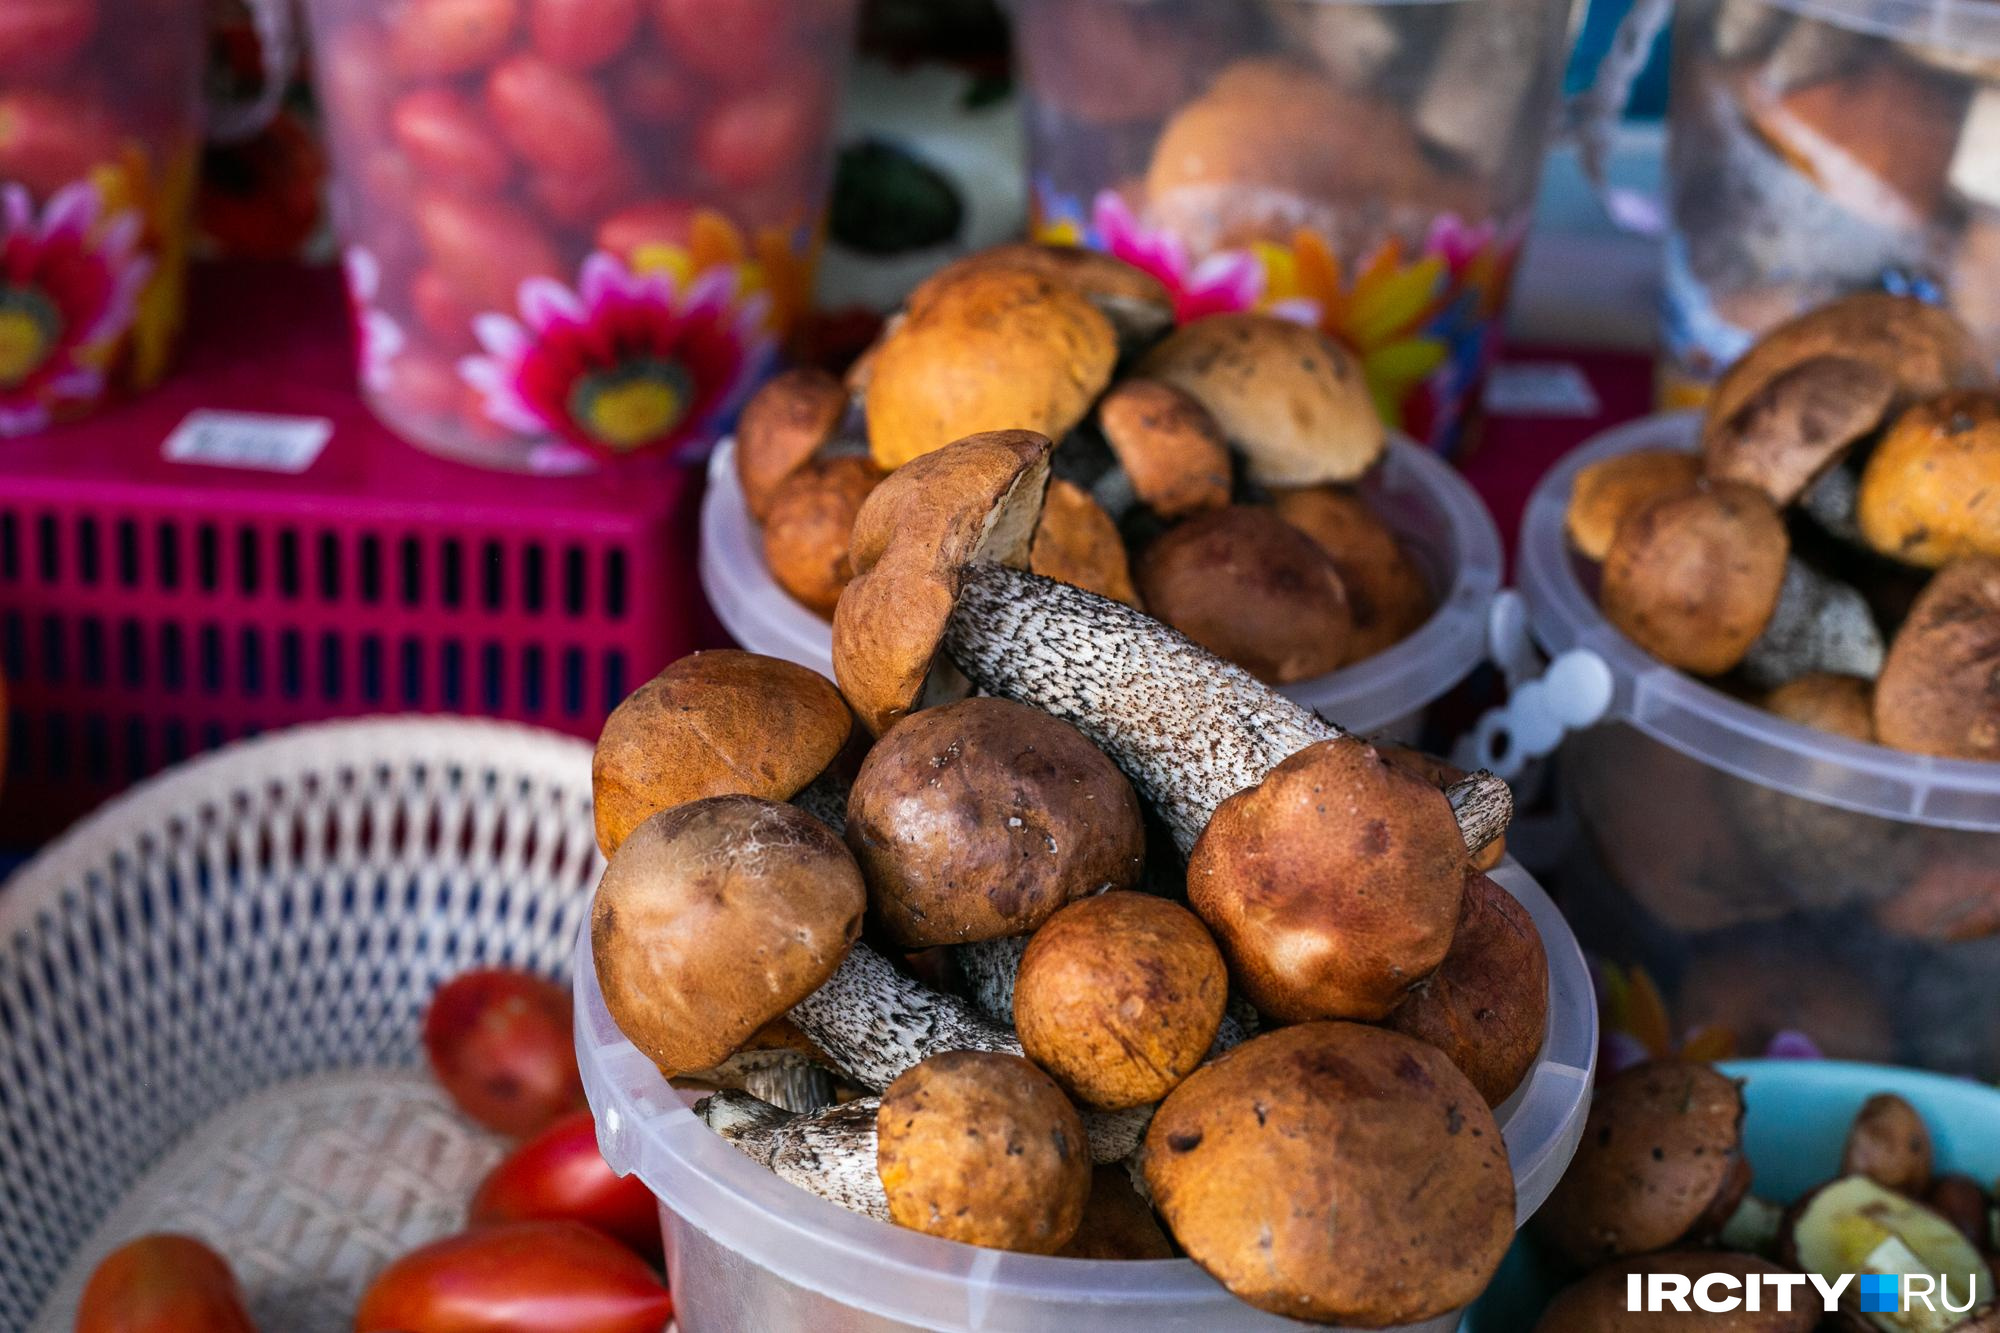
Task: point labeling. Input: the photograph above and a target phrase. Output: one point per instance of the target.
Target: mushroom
(1939, 691)
(1292, 400)
(1599, 1302)
(1487, 1005)
(1798, 426)
(979, 819)
(1335, 1172)
(1827, 701)
(1605, 491)
(1444, 775)
(984, 1149)
(1758, 984)
(1172, 456)
(1890, 1144)
(1117, 1223)
(1138, 304)
(830, 1152)
(1820, 624)
(702, 727)
(781, 428)
(1949, 901)
(1119, 997)
(1930, 493)
(1661, 1164)
(1855, 1225)
(807, 523)
(1959, 1200)
(778, 1065)
(716, 917)
(1076, 542)
(990, 350)
(1387, 594)
(1250, 587)
(1333, 886)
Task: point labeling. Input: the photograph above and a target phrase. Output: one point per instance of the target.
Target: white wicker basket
(271, 914)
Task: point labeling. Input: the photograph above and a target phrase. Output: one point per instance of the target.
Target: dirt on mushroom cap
(1335, 1172)
(1930, 492)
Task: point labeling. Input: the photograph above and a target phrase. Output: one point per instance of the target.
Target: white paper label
(249, 440)
(1540, 389)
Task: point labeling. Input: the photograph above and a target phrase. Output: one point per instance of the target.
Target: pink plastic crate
(151, 608)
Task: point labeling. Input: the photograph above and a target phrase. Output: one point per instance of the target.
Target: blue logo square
(1880, 1293)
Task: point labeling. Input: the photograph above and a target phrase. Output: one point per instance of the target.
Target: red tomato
(733, 42)
(753, 138)
(582, 34)
(485, 248)
(521, 1277)
(440, 39)
(551, 117)
(422, 387)
(443, 316)
(162, 1284)
(500, 1042)
(38, 37)
(580, 198)
(354, 82)
(651, 222)
(648, 90)
(560, 1174)
(49, 139)
(446, 139)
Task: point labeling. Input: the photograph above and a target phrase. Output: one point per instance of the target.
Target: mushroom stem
(1820, 624)
(830, 1152)
(1189, 729)
(785, 1078)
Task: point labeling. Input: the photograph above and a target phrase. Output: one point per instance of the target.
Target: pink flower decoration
(624, 363)
(1222, 283)
(380, 338)
(69, 287)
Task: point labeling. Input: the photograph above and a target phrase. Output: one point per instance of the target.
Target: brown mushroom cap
(1950, 901)
(1930, 493)
(1939, 691)
(1333, 886)
(983, 1148)
(782, 426)
(1606, 491)
(994, 349)
(1841, 705)
(1693, 577)
(1661, 1164)
(1291, 399)
(980, 498)
(808, 524)
(1119, 998)
(1801, 423)
(702, 727)
(1487, 1005)
(1117, 1223)
(1890, 1144)
(1597, 1302)
(1076, 542)
(1387, 593)
(715, 917)
(1138, 304)
(1442, 774)
(1168, 444)
(1335, 1172)
(1923, 346)
(1248, 586)
(977, 820)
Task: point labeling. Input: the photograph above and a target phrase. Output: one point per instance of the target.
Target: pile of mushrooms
(1125, 907)
(1833, 551)
(1661, 1184)
(1207, 473)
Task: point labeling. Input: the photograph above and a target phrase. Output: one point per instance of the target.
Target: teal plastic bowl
(1797, 1114)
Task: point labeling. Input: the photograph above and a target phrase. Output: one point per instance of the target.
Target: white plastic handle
(1543, 704)
(278, 40)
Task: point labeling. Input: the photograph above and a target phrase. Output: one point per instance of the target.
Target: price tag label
(255, 440)
(1540, 389)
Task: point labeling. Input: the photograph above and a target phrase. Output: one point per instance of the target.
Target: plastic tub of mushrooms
(1792, 808)
(1349, 567)
(1177, 1006)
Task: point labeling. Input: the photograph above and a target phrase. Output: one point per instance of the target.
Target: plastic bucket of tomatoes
(575, 230)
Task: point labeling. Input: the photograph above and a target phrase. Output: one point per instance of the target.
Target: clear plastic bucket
(1770, 877)
(1437, 515)
(1820, 147)
(746, 1250)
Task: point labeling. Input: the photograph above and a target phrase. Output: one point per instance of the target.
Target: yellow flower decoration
(773, 263)
(1377, 315)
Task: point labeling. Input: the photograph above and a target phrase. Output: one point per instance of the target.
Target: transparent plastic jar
(576, 230)
(1437, 515)
(1368, 166)
(100, 113)
(746, 1250)
(1820, 147)
(1771, 878)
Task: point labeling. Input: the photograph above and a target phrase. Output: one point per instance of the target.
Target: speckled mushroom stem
(1189, 729)
(876, 1023)
(830, 1152)
(1819, 624)
(787, 1079)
